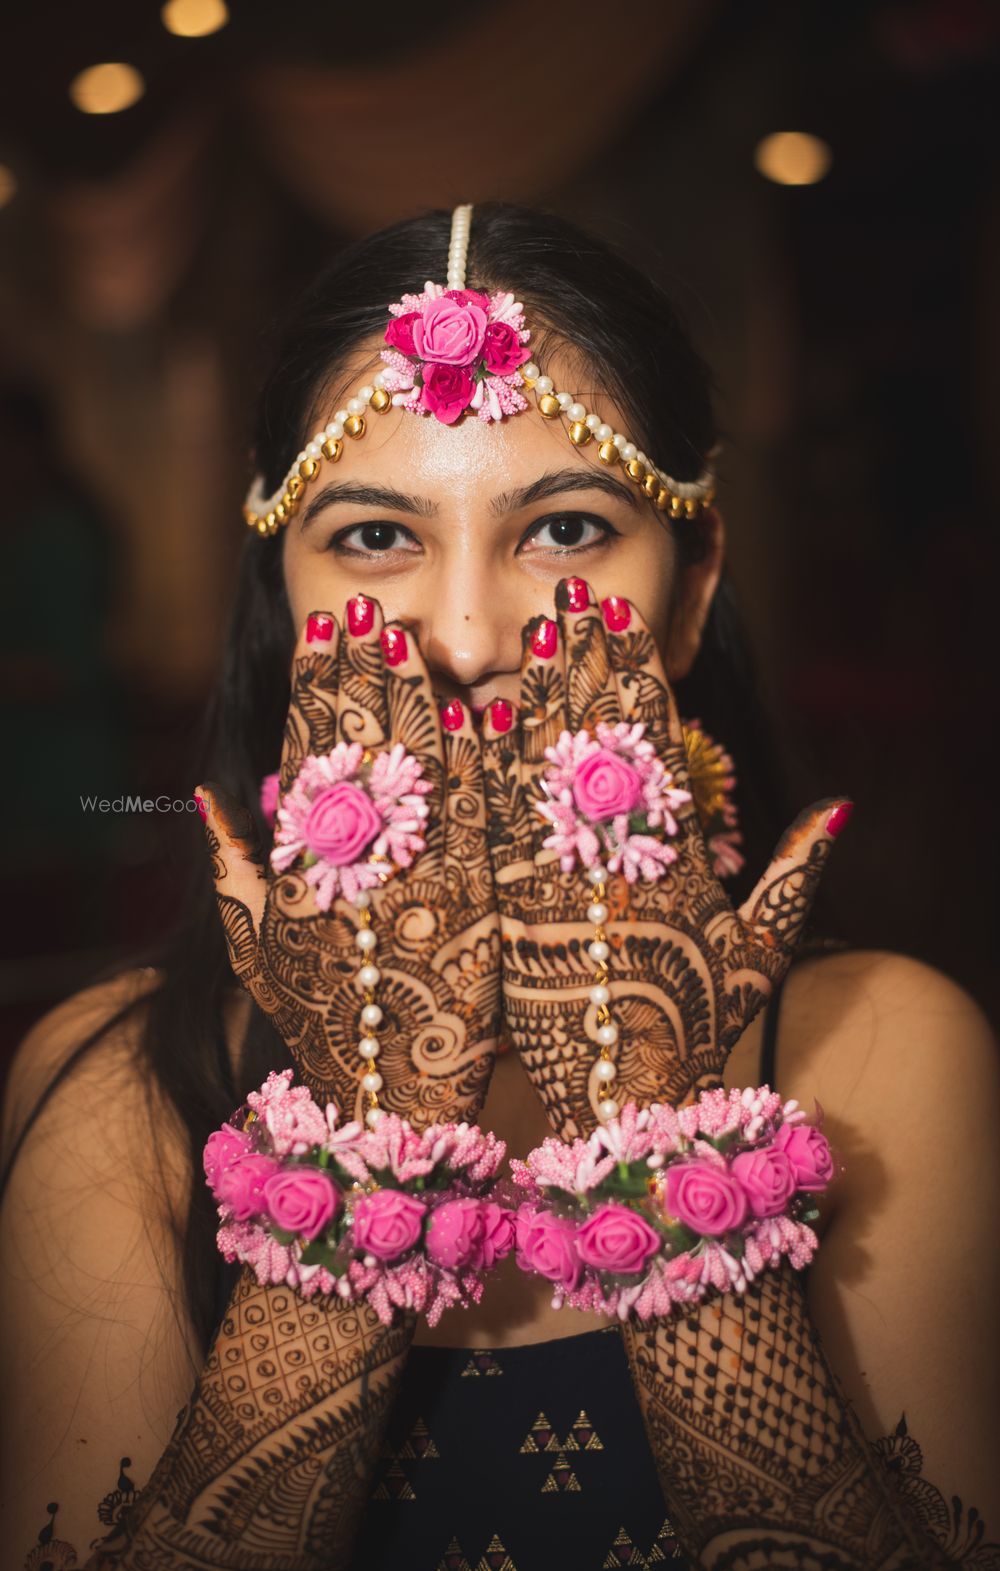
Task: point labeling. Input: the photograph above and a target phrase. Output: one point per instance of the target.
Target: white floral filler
(605, 796)
(352, 818)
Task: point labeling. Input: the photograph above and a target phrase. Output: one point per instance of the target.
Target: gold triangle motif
(583, 1436)
(482, 1363)
(453, 1559)
(394, 1485)
(541, 1436)
(562, 1478)
(418, 1446)
(495, 1557)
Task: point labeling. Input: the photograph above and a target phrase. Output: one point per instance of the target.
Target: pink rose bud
(503, 351)
(455, 1234)
(468, 297)
(302, 1200)
(498, 1233)
(241, 1185)
(809, 1153)
(446, 391)
(617, 1239)
(547, 1244)
(704, 1198)
(343, 821)
(449, 333)
(766, 1177)
(399, 333)
(269, 798)
(388, 1223)
(605, 785)
(221, 1148)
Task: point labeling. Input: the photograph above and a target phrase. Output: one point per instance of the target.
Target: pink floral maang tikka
(453, 351)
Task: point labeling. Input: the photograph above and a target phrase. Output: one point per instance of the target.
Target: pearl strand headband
(454, 351)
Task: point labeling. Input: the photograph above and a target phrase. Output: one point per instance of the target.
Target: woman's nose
(472, 631)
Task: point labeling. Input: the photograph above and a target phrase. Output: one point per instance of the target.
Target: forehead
(471, 457)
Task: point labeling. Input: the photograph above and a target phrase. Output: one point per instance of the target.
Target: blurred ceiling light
(792, 158)
(194, 18)
(8, 185)
(106, 89)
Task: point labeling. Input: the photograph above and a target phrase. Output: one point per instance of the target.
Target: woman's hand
(687, 972)
(436, 923)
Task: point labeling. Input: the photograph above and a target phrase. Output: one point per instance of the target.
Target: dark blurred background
(845, 286)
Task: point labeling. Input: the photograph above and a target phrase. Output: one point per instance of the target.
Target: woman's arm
(272, 1450)
(757, 1437)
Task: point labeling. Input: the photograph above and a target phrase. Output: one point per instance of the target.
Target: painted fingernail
(393, 645)
(360, 615)
(501, 715)
(452, 715)
(617, 613)
(202, 812)
(839, 819)
(544, 639)
(319, 628)
(572, 594)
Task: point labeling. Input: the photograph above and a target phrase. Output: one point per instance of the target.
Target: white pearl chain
(458, 246)
(367, 979)
(599, 951)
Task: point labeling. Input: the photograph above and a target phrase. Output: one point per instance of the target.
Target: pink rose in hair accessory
(503, 351)
(704, 1198)
(269, 798)
(302, 1200)
(342, 823)
(455, 1234)
(449, 333)
(766, 1177)
(446, 391)
(399, 333)
(468, 297)
(809, 1153)
(614, 1238)
(240, 1187)
(388, 1223)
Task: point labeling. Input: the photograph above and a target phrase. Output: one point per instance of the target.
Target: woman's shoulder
(67, 1087)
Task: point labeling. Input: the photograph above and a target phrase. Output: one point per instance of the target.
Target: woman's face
(462, 532)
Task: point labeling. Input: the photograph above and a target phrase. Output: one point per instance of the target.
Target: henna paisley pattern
(436, 923)
(687, 972)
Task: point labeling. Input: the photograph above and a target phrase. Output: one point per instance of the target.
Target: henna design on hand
(688, 972)
(437, 924)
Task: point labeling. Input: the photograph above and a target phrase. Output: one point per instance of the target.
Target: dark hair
(577, 289)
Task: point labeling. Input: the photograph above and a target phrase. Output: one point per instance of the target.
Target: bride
(470, 566)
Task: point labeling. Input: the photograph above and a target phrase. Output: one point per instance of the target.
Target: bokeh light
(194, 18)
(792, 158)
(8, 185)
(106, 89)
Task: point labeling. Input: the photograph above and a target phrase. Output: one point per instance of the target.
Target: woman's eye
(572, 533)
(373, 540)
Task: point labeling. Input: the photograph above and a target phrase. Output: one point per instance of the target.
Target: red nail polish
(544, 639)
(319, 628)
(360, 615)
(617, 613)
(577, 595)
(839, 819)
(452, 715)
(501, 715)
(393, 645)
(203, 815)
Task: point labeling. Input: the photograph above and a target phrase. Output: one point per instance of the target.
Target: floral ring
(351, 819)
(611, 802)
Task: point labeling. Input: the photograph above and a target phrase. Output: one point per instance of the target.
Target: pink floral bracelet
(660, 1207)
(399, 1217)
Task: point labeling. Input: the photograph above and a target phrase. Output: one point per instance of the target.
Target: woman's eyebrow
(559, 482)
(367, 496)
